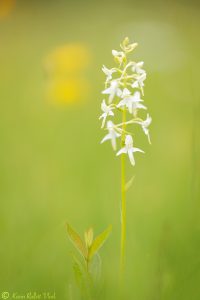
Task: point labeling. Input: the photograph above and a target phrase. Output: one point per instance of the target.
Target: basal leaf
(76, 241)
(99, 241)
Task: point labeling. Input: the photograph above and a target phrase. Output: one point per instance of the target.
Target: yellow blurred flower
(6, 7)
(67, 91)
(66, 67)
(66, 59)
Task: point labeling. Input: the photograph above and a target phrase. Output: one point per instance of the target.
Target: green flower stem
(123, 201)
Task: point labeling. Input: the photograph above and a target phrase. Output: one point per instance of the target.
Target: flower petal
(137, 150)
(123, 150)
(131, 157)
(106, 91)
(107, 137)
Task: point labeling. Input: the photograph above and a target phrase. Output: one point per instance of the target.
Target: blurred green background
(53, 168)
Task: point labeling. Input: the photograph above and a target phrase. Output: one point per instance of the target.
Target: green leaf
(129, 183)
(89, 237)
(77, 241)
(99, 241)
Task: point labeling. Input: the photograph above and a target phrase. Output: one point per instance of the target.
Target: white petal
(137, 96)
(141, 106)
(121, 103)
(140, 64)
(103, 122)
(129, 141)
(106, 91)
(125, 93)
(107, 137)
(119, 92)
(146, 130)
(117, 134)
(123, 150)
(115, 52)
(137, 150)
(130, 107)
(105, 70)
(135, 84)
(102, 116)
(111, 97)
(149, 140)
(131, 157)
(103, 105)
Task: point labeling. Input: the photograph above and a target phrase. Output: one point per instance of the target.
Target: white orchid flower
(137, 67)
(108, 73)
(132, 102)
(107, 111)
(119, 56)
(113, 91)
(139, 83)
(129, 149)
(145, 124)
(112, 135)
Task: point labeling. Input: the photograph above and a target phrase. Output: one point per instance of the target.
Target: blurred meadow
(53, 168)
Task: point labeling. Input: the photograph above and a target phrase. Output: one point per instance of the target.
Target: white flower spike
(107, 111)
(124, 99)
(129, 149)
(124, 96)
(112, 135)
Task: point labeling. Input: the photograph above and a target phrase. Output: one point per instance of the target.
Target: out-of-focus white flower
(129, 149)
(119, 56)
(107, 111)
(139, 82)
(132, 102)
(137, 67)
(145, 124)
(108, 73)
(112, 135)
(113, 91)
